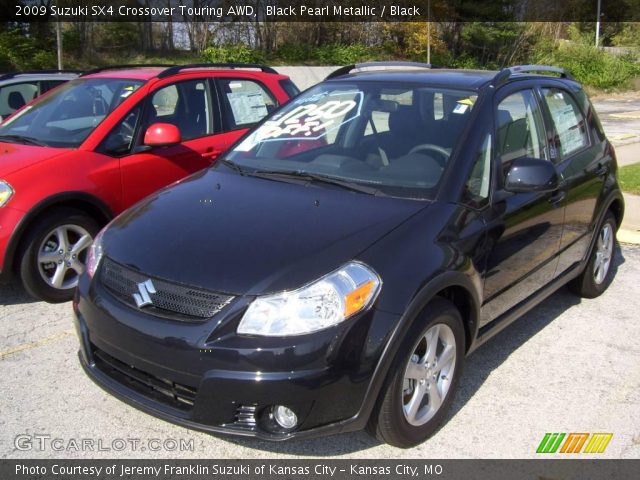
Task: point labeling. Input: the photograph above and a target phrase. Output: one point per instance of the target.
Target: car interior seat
(513, 136)
(16, 100)
(192, 119)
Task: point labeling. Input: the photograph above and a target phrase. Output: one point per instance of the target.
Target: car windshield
(392, 139)
(67, 116)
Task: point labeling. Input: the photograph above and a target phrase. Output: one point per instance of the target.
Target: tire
(47, 273)
(593, 281)
(393, 421)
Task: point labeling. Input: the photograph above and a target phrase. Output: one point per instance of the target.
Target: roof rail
(177, 68)
(358, 66)
(504, 74)
(5, 76)
(122, 67)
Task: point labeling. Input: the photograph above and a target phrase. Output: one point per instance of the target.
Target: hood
(245, 235)
(16, 156)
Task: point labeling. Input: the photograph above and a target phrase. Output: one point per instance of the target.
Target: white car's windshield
(67, 116)
(394, 139)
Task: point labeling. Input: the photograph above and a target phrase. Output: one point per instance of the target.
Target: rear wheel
(54, 254)
(598, 273)
(423, 378)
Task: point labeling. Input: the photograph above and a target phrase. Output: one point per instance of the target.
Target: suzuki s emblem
(145, 289)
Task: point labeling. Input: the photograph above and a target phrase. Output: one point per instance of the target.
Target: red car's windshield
(67, 116)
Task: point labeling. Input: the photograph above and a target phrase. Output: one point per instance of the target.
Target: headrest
(16, 100)
(403, 121)
(504, 117)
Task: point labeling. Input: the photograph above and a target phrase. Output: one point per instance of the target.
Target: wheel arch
(616, 206)
(87, 203)
(455, 286)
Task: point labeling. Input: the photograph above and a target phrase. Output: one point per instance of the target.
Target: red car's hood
(15, 156)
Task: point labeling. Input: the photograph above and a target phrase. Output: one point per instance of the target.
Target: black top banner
(319, 10)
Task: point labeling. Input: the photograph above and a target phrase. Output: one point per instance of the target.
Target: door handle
(601, 170)
(557, 197)
(212, 153)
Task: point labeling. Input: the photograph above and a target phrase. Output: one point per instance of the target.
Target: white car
(19, 88)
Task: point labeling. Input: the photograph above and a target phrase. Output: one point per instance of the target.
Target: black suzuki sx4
(333, 270)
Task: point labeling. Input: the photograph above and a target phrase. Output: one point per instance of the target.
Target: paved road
(620, 116)
(569, 366)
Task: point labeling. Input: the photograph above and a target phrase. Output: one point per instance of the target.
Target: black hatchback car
(334, 269)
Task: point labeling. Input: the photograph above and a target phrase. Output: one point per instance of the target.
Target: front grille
(165, 391)
(170, 300)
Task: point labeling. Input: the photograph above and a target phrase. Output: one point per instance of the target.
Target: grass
(629, 177)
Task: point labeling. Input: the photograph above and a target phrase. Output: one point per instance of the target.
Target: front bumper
(206, 377)
(9, 221)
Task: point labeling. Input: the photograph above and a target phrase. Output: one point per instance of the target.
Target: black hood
(246, 235)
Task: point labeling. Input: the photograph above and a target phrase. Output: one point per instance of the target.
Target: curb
(628, 236)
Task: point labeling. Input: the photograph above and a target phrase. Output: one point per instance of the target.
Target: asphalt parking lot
(620, 116)
(570, 365)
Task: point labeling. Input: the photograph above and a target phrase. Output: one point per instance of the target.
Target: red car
(87, 150)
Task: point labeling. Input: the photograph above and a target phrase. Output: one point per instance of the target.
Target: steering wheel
(433, 148)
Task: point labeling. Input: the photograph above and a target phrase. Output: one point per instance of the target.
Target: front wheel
(54, 254)
(423, 378)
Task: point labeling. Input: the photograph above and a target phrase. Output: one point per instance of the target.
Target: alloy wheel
(428, 375)
(604, 253)
(62, 255)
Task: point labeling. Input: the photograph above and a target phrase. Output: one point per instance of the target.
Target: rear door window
(244, 102)
(570, 125)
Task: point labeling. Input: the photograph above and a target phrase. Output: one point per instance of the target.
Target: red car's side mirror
(162, 134)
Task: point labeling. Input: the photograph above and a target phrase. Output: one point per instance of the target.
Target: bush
(232, 54)
(19, 52)
(338, 54)
(296, 53)
(592, 66)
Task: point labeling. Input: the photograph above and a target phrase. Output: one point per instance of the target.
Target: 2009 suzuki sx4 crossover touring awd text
(333, 270)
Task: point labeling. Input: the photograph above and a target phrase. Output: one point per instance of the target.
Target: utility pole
(59, 43)
(598, 26)
(429, 32)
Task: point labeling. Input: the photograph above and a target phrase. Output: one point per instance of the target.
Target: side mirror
(162, 135)
(531, 175)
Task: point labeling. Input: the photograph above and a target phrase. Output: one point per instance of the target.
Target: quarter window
(120, 139)
(520, 131)
(568, 120)
(479, 182)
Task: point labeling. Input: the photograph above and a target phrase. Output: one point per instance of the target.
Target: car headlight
(328, 301)
(95, 254)
(6, 192)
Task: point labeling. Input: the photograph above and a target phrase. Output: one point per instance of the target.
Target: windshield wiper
(232, 165)
(22, 139)
(317, 177)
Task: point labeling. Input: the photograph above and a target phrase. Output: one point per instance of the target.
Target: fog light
(285, 417)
